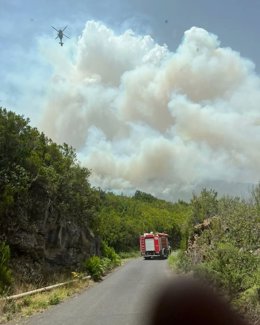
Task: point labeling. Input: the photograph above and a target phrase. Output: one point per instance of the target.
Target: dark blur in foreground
(186, 301)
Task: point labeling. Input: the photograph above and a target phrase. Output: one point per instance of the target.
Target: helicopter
(60, 34)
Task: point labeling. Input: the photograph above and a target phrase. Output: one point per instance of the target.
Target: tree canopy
(39, 178)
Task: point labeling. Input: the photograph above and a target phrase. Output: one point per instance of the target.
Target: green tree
(41, 182)
(204, 206)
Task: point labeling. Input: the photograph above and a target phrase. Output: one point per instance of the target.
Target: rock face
(194, 250)
(54, 247)
(67, 244)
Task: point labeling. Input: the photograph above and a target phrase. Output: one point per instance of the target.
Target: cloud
(142, 117)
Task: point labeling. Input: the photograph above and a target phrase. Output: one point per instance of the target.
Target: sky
(158, 96)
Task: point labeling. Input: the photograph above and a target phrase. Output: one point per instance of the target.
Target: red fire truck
(154, 245)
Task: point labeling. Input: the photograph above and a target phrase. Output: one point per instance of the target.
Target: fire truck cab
(154, 245)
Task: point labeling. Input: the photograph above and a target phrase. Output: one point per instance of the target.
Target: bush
(110, 253)
(55, 299)
(11, 308)
(249, 303)
(172, 260)
(225, 250)
(97, 266)
(26, 302)
(181, 262)
(94, 267)
(230, 268)
(5, 273)
(107, 264)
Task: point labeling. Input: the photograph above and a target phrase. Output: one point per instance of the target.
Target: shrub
(107, 264)
(5, 273)
(226, 252)
(249, 303)
(172, 260)
(26, 302)
(55, 299)
(230, 268)
(10, 308)
(182, 262)
(94, 267)
(110, 253)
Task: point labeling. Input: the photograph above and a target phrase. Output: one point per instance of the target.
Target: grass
(126, 255)
(29, 305)
(173, 260)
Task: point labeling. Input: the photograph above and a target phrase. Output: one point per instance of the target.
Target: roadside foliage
(46, 202)
(224, 248)
(122, 219)
(5, 272)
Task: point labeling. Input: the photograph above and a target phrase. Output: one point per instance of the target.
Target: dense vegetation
(42, 186)
(122, 219)
(97, 267)
(42, 181)
(5, 273)
(225, 249)
(37, 175)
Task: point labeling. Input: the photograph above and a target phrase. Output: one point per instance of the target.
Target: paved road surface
(121, 299)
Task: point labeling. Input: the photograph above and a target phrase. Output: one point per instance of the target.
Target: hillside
(46, 202)
(224, 248)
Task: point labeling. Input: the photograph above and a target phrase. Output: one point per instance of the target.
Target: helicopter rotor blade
(55, 28)
(66, 35)
(64, 28)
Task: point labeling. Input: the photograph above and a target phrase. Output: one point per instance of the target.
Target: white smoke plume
(142, 117)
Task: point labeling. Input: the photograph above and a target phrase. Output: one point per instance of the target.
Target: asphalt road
(122, 298)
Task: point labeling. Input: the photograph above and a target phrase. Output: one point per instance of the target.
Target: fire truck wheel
(162, 256)
(164, 253)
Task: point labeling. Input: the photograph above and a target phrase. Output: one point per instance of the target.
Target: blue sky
(151, 85)
(234, 21)
(22, 23)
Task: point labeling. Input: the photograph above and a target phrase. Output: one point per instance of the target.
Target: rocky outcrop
(53, 247)
(195, 251)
